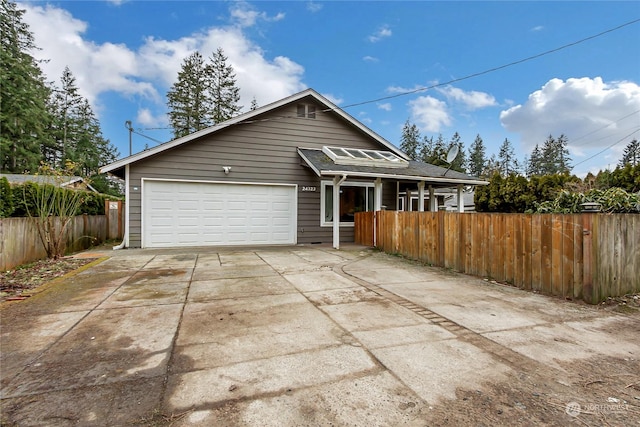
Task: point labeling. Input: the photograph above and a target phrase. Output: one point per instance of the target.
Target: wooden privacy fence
(588, 256)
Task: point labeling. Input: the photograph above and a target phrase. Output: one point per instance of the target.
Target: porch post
(433, 203)
(460, 199)
(421, 196)
(409, 204)
(377, 195)
(336, 209)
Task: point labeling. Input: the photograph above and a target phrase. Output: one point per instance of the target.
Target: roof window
(358, 156)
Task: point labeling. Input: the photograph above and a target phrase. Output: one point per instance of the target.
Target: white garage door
(205, 214)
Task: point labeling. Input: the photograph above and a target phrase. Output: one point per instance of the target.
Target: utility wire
(607, 148)
(470, 76)
(603, 127)
(491, 70)
(145, 136)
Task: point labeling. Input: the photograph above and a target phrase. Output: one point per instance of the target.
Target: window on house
(354, 197)
(308, 111)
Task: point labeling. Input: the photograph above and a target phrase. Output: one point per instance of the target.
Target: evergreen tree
(254, 104)
(477, 159)
(439, 152)
(460, 162)
(555, 156)
(76, 132)
(410, 140)
(23, 112)
(563, 160)
(66, 124)
(631, 154)
(492, 166)
(425, 150)
(189, 99)
(221, 84)
(507, 158)
(534, 165)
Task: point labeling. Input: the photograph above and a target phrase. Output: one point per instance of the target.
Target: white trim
(246, 118)
(200, 181)
(324, 184)
(408, 177)
(388, 159)
(127, 206)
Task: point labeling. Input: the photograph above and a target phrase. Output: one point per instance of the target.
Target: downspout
(125, 237)
(336, 210)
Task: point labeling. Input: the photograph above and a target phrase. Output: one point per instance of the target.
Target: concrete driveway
(308, 336)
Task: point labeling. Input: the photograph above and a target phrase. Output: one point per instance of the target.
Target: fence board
(21, 244)
(588, 256)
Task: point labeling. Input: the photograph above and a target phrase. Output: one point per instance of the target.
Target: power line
(607, 148)
(491, 70)
(467, 77)
(604, 127)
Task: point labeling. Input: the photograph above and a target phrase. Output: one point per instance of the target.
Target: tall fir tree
(555, 156)
(477, 159)
(507, 158)
(563, 160)
(631, 154)
(410, 140)
(76, 131)
(534, 165)
(254, 104)
(459, 163)
(222, 86)
(23, 109)
(425, 149)
(189, 98)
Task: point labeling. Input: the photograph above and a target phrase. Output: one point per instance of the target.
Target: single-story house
(291, 172)
(72, 182)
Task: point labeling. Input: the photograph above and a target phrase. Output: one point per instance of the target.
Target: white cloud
(400, 89)
(588, 111)
(96, 67)
(429, 114)
(368, 58)
(386, 106)
(246, 16)
(382, 33)
(537, 28)
(314, 7)
(148, 72)
(336, 100)
(146, 118)
(472, 100)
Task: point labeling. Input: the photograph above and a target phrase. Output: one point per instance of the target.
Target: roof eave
(407, 177)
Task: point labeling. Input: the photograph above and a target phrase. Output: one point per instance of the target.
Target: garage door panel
(200, 214)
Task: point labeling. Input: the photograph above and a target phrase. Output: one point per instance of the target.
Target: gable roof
(323, 165)
(247, 118)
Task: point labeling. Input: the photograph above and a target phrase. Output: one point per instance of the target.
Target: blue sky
(126, 54)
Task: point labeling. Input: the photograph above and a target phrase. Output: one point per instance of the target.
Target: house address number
(304, 188)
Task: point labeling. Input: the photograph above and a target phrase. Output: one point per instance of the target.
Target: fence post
(587, 260)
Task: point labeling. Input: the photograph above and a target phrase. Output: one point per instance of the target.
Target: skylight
(357, 156)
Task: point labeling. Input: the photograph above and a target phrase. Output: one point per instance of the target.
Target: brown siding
(261, 151)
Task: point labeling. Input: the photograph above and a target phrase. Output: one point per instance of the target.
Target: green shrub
(6, 198)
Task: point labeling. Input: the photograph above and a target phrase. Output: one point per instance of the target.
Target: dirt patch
(15, 284)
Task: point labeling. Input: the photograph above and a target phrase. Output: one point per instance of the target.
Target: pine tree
(460, 162)
(507, 158)
(221, 84)
(563, 160)
(534, 165)
(76, 131)
(409, 141)
(425, 150)
(631, 154)
(254, 104)
(189, 99)
(23, 112)
(477, 159)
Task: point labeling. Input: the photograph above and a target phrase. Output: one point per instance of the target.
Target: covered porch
(378, 167)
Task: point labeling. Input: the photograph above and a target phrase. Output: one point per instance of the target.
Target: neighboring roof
(322, 165)
(62, 181)
(246, 118)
